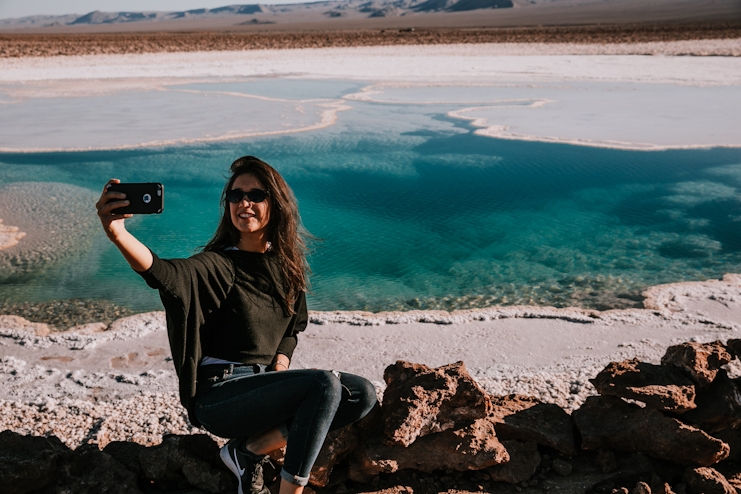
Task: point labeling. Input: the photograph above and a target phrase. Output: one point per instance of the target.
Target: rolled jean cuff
(294, 479)
(283, 428)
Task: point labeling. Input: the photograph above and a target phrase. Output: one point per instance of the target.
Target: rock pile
(668, 428)
(685, 411)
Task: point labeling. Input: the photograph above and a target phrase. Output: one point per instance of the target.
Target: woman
(233, 315)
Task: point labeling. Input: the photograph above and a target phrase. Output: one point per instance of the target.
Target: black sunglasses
(254, 195)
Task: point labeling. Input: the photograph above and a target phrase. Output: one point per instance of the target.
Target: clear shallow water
(414, 211)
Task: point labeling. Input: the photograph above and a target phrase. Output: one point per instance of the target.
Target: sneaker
(249, 468)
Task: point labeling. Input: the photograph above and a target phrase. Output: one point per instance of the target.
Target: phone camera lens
(147, 198)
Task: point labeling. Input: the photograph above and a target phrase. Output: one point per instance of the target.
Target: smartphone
(144, 198)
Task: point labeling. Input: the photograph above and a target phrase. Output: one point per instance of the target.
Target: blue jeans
(304, 404)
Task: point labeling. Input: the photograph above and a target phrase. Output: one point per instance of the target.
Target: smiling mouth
(245, 216)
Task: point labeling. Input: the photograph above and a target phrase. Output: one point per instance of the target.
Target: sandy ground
(51, 45)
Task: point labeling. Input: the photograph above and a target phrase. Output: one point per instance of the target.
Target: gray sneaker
(249, 468)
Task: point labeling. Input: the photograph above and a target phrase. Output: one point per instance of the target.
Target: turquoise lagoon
(414, 211)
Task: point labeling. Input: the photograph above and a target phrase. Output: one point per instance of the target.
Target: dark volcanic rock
(528, 419)
(606, 422)
(662, 488)
(660, 387)
(718, 406)
(561, 467)
(127, 454)
(706, 481)
(733, 346)
(606, 461)
(735, 480)
(90, 471)
(29, 463)
(641, 488)
(524, 460)
(420, 400)
(186, 461)
(471, 448)
(701, 361)
(732, 437)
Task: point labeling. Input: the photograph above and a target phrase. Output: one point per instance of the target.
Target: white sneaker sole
(234, 468)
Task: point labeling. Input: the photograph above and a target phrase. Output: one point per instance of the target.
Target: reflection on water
(415, 211)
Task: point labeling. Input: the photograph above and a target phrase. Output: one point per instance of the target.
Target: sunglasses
(254, 195)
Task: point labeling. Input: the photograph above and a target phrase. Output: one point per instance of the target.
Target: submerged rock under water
(59, 221)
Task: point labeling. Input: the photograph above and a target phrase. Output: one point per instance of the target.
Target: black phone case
(145, 198)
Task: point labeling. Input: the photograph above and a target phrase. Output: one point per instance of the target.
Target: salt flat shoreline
(103, 382)
(697, 63)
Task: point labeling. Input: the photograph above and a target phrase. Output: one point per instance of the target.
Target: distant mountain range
(331, 8)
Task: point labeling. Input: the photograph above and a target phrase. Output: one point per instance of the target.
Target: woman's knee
(361, 392)
(328, 382)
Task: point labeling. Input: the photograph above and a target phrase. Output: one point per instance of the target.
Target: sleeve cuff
(154, 275)
(287, 345)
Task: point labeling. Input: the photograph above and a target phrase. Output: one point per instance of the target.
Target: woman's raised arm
(136, 253)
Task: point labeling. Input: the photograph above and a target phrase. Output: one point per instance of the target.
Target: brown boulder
(420, 400)
(718, 406)
(186, 461)
(706, 481)
(606, 422)
(337, 446)
(524, 460)
(471, 448)
(701, 361)
(528, 419)
(660, 387)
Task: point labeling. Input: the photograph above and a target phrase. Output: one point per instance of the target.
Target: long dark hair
(286, 234)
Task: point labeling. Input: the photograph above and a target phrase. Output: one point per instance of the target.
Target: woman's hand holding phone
(113, 224)
(136, 253)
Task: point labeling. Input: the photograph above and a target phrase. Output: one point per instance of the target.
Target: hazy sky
(21, 8)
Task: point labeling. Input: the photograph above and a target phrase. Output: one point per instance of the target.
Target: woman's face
(250, 218)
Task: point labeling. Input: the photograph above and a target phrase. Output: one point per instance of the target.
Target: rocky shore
(667, 428)
(38, 45)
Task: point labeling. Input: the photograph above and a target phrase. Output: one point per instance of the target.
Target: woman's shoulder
(212, 259)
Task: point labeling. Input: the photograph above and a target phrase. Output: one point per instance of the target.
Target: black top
(251, 325)
(225, 305)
